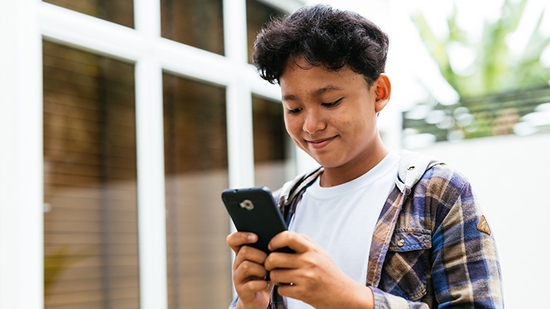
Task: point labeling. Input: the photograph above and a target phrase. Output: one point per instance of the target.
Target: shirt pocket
(407, 264)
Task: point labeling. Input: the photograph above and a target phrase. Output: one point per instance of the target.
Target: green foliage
(495, 68)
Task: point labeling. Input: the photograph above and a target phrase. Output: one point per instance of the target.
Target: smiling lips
(320, 143)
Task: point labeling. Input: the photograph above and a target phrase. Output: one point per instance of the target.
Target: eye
(295, 111)
(332, 104)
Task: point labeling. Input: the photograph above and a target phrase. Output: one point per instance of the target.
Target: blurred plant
(495, 67)
(498, 82)
(59, 261)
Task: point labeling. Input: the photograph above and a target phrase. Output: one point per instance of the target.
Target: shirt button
(401, 242)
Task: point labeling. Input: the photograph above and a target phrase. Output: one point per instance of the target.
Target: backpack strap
(291, 193)
(412, 166)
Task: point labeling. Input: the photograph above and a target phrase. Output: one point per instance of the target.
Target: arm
(466, 270)
(383, 300)
(462, 264)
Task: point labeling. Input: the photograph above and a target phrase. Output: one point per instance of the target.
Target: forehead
(299, 76)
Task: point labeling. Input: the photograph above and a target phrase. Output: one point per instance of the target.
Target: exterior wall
(24, 26)
(510, 176)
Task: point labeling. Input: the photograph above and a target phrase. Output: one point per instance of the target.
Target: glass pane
(199, 271)
(116, 11)
(90, 224)
(270, 143)
(257, 14)
(198, 23)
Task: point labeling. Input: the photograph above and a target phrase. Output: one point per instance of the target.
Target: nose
(313, 121)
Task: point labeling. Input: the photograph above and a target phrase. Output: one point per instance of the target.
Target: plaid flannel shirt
(432, 246)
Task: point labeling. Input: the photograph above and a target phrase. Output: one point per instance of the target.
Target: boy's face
(332, 115)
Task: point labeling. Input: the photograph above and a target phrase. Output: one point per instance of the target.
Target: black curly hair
(324, 36)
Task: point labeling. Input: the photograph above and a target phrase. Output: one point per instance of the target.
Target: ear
(383, 92)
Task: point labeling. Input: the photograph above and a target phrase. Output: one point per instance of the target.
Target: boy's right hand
(248, 272)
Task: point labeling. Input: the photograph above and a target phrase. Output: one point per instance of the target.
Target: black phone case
(254, 210)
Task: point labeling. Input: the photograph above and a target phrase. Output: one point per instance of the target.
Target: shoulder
(292, 188)
(443, 177)
(442, 191)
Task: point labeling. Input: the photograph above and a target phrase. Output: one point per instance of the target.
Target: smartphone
(254, 210)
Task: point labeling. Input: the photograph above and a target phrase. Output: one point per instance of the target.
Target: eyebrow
(316, 93)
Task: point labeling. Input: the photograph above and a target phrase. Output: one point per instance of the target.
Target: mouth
(320, 143)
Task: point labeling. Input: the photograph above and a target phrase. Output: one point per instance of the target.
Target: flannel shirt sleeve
(465, 270)
(383, 300)
(465, 265)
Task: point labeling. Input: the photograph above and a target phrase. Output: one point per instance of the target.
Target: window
(257, 14)
(130, 118)
(198, 23)
(195, 143)
(270, 143)
(90, 224)
(116, 11)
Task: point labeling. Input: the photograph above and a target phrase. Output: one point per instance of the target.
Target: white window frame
(23, 26)
(21, 171)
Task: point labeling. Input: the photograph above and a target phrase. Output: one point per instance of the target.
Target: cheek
(291, 125)
(356, 126)
(349, 122)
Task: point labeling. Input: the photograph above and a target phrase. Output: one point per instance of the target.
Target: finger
(248, 271)
(278, 260)
(257, 291)
(283, 277)
(238, 239)
(251, 254)
(254, 291)
(298, 243)
(253, 286)
(289, 289)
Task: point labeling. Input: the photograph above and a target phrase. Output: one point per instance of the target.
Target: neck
(338, 175)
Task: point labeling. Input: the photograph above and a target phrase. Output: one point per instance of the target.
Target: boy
(370, 228)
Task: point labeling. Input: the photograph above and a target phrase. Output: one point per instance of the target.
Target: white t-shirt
(341, 219)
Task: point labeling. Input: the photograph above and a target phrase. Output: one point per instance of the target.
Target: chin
(328, 163)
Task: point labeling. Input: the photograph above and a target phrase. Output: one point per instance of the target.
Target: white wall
(510, 176)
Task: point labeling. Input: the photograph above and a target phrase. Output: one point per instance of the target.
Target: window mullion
(239, 100)
(150, 154)
(21, 165)
(151, 188)
(63, 25)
